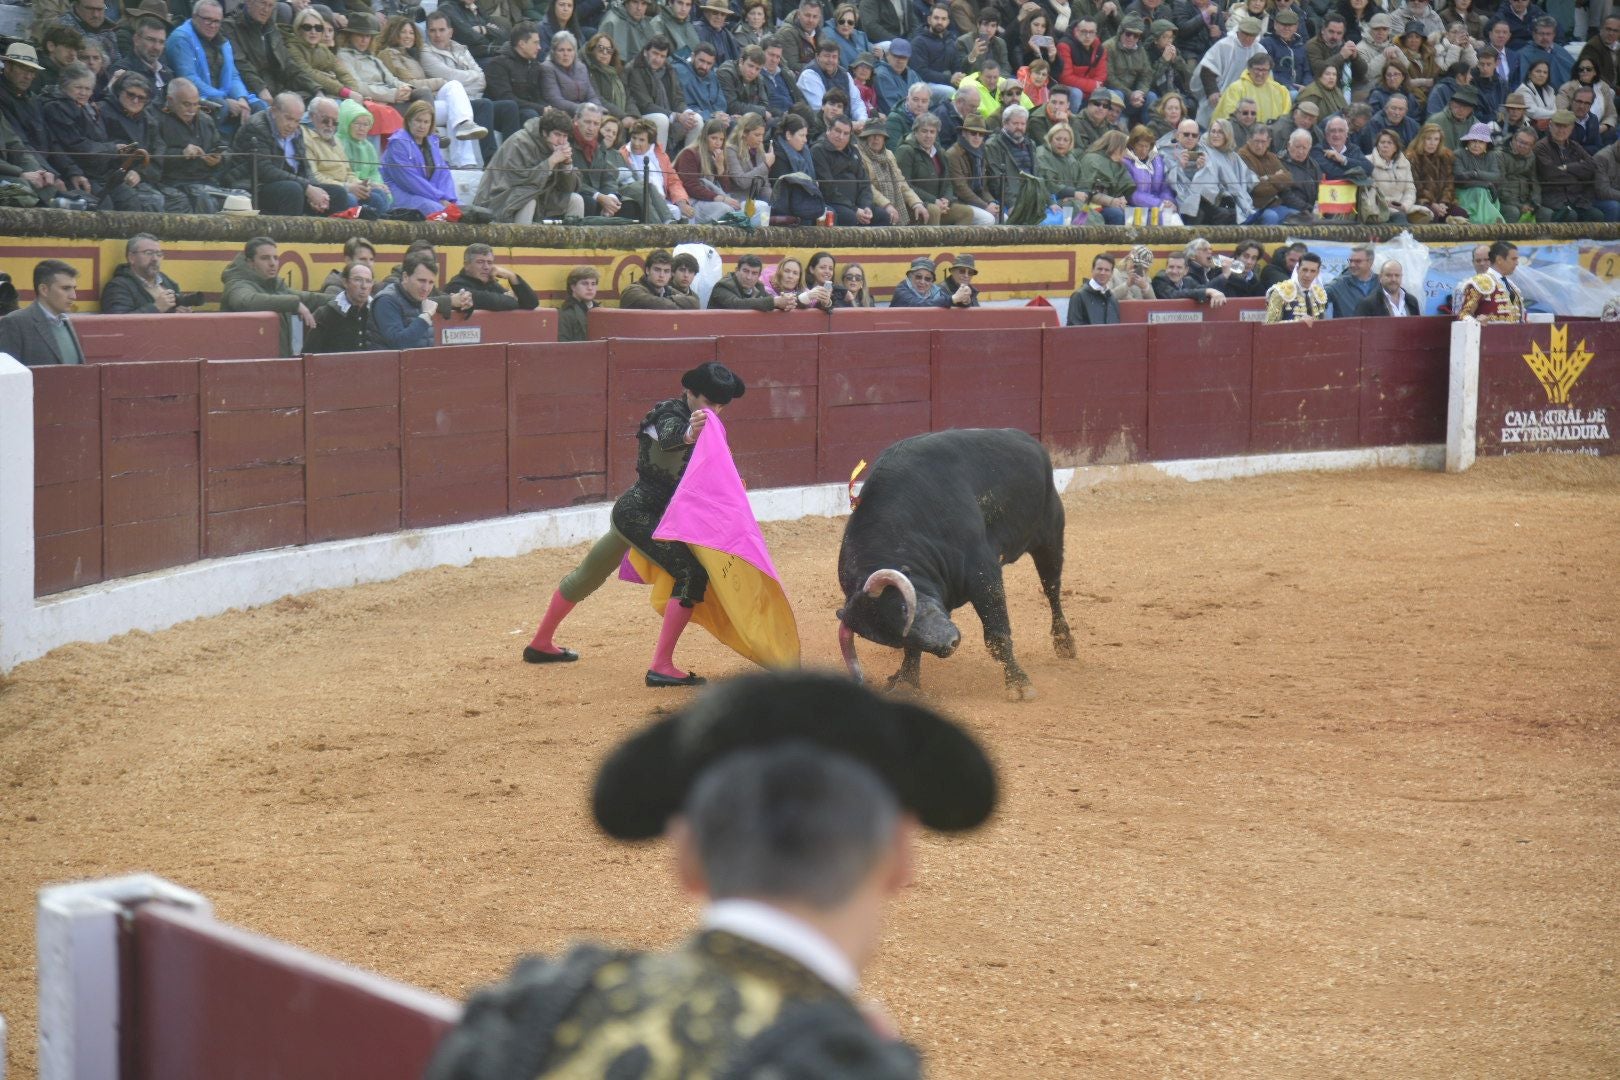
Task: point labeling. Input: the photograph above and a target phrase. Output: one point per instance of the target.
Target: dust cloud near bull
(938, 518)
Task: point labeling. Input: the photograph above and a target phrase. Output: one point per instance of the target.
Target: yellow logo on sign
(1558, 367)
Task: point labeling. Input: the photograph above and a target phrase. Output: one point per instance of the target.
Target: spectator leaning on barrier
(1172, 283)
(41, 333)
(1301, 298)
(1094, 303)
(402, 317)
(654, 292)
(140, 287)
(482, 276)
(1388, 298)
(251, 284)
(343, 323)
(1353, 286)
(573, 319)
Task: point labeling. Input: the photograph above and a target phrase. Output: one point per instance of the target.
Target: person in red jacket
(1085, 65)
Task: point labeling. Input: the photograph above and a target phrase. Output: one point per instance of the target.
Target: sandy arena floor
(1331, 792)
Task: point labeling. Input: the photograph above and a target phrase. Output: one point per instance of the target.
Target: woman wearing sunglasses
(847, 35)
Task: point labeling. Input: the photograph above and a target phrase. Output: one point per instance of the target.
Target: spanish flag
(745, 606)
(1336, 197)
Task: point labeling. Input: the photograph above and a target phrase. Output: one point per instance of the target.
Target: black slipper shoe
(693, 679)
(532, 655)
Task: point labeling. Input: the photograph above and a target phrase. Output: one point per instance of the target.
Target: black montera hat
(714, 381)
(936, 770)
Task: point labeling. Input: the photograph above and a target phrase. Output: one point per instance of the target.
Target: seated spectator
(1393, 81)
(402, 317)
(1009, 156)
(195, 157)
(443, 58)
(893, 201)
(99, 63)
(754, 28)
(399, 54)
(987, 84)
(565, 79)
(1271, 179)
(355, 249)
(793, 176)
(1290, 61)
(655, 93)
(286, 182)
(841, 174)
(823, 269)
(917, 289)
(1298, 193)
(20, 162)
(1303, 118)
(740, 290)
(482, 276)
(598, 169)
(1301, 298)
(482, 36)
(856, 286)
(131, 122)
(1389, 298)
(262, 58)
(1337, 157)
(514, 73)
(1172, 283)
(252, 283)
(199, 52)
(88, 18)
(667, 197)
(329, 157)
(1280, 267)
(745, 170)
(145, 54)
(573, 322)
(343, 323)
(1422, 67)
(1520, 193)
(1513, 119)
(654, 291)
(1567, 175)
(894, 78)
(1165, 117)
(1223, 183)
(861, 71)
(674, 21)
(1353, 286)
(1058, 167)
(1242, 279)
(712, 30)
(632, 28)
(1325, 94)
(701, 169)
(20, 110)
(1456, 117)
(307, 47)
(1394, 116)
(59, 47)
(1271, 98)
(87, 157)
(828, 74)
(1589, 131)
(1103, 176)
(415, 171)
(1586, 77)
(963, 270)
(843, 30)
(385, 96)
(968, 173)
(1478, 175)
(744, 87)
(834, 103)
(1434, 174)
(1151, 189)
(41, 333)
(1093, 303)
(607, 75)
(1540, 94)
(913, 105)
(700, 84)
(1084, 63)
(1392, 178)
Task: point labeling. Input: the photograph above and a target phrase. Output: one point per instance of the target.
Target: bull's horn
(846, 645)
(882, 579)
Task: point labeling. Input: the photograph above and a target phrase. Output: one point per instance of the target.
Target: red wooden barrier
(642, 373)
(236, 335)
(492, 327)
(608, 322)
(987, 378)
(1199, 383)
(557, 409)
(849, 320)
(67, 478)
(875, 389)
(1405, 374)
(1242, 309)
(453, 418)
(151, 494)
(1306, 388)
(1094, 398)
(772, 427)
(253, 455)
(215, 1001)
(352, 444)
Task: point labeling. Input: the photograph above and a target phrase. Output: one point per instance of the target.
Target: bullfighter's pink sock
(555, 613)
(676, 616)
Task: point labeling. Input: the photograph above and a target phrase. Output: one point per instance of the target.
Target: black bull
(938, 518)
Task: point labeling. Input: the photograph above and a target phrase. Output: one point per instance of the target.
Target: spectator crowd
(355, 310)
(881, 112)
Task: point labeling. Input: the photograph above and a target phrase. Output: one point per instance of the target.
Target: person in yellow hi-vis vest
(1271, 98)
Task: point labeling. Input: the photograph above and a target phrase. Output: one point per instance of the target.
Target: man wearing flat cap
(792, 803)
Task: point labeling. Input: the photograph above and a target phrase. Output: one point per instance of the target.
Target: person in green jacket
(1103, 175)
(1058, 166)
(354, 127)
(922, 164)
(573, 322)
(251, 284)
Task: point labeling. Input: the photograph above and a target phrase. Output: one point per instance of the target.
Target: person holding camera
(140, 287)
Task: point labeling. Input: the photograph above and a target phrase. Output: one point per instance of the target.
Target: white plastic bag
(1565, 289)
(1413, 258)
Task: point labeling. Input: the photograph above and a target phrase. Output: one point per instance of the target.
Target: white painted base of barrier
(77, 927)
(1462, 400)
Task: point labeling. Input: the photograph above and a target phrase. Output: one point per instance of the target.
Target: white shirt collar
(793, 938)
(1091, 282)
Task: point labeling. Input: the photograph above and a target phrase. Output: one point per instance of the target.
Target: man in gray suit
(40, 333)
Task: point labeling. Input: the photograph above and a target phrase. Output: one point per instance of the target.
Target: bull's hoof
(900, 684)
(1064, 647)
(1021, 691)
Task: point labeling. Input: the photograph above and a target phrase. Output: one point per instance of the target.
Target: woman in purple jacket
(1146, 166)
(565, 81)
(413, 168)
